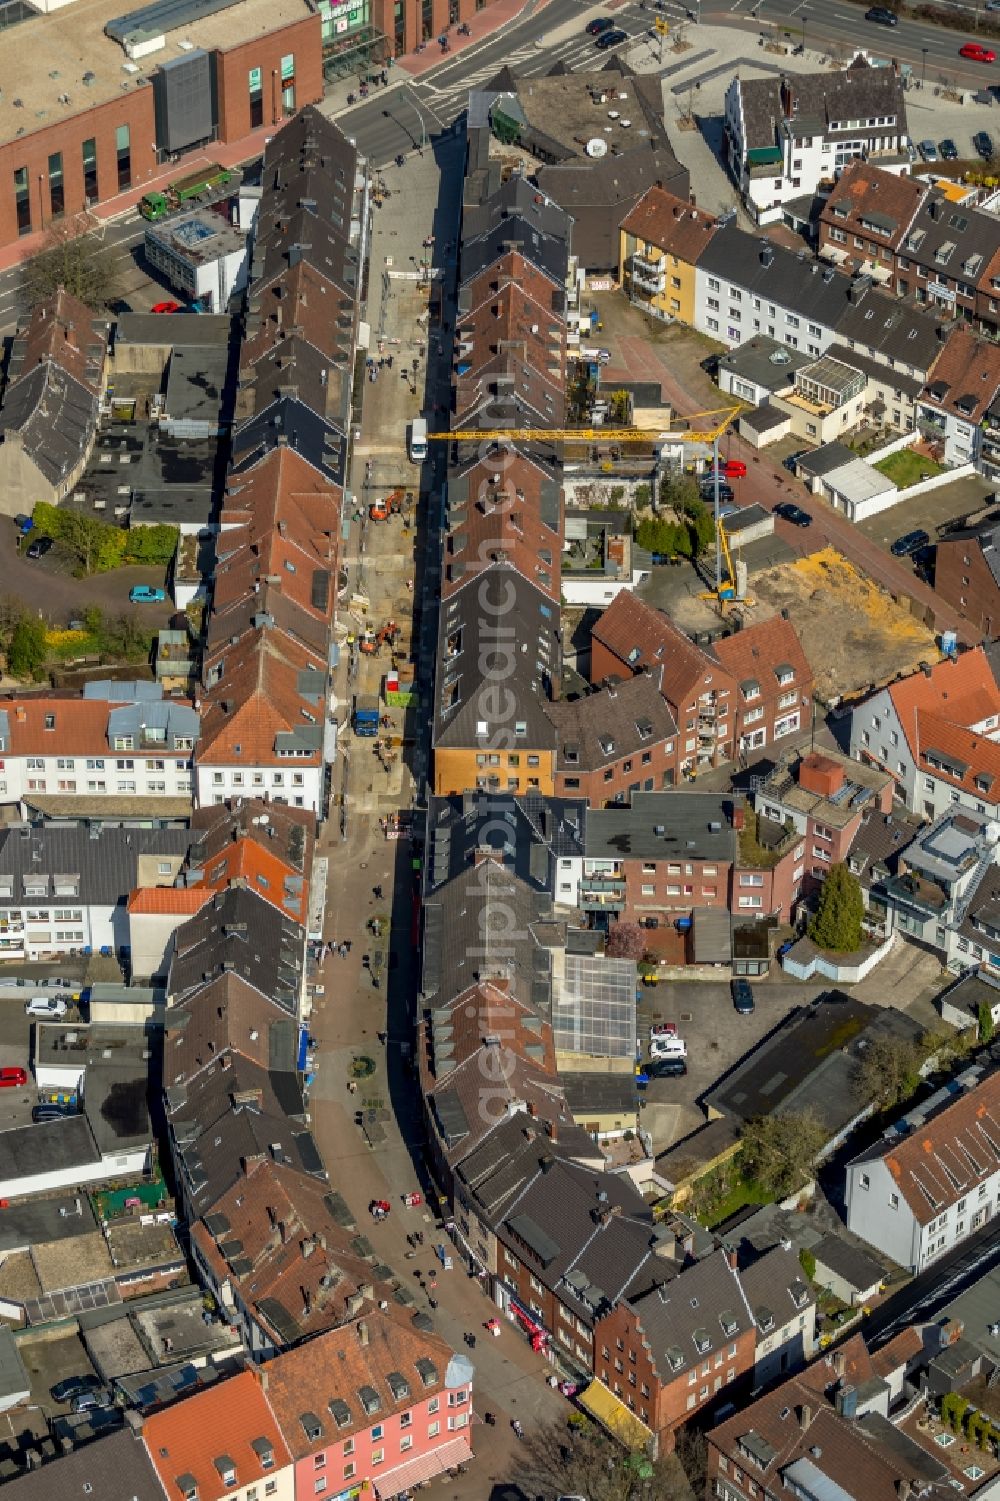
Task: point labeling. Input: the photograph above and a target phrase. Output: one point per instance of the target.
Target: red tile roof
(967, 372)
(218, 1424)
(365, 1353)
(167, 900)
(758, 649)
(947, 1158)
(865, 190)
(671, 224)
(256, 699)
(952, 689)
(979, 756)
(640, 636)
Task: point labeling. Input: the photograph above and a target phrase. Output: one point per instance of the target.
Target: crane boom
(592, 434)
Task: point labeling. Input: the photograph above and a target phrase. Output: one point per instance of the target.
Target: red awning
(458, 1451)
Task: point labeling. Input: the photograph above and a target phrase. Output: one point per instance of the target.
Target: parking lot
(928, 512)
(48, 583)
(51, 1359)
(716, 1037)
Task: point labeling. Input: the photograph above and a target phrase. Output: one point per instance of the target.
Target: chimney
(308, 1247)
(731, 1257)
(805, 1416)
(903, 1488)
(532, 1109)
(552, 1130)
(839, 1363)
(362, 1332)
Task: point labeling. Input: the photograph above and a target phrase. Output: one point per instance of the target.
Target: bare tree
(558, 1459)
(74, 257)
(626, 940)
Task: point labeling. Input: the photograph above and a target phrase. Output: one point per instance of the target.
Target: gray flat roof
(670, 825)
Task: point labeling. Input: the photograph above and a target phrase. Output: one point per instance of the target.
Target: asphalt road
(921, 1300)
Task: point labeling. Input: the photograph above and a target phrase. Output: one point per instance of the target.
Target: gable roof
(642, 637)
(228, 1422)
(666, 221)
(758, 651)
(601, 727)
(242, 933)
(698, 1312)
(945, 1158)
(966, 378)
(953, 689)
(371, 1360)
(866, 196)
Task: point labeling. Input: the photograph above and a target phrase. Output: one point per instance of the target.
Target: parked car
(89, 1401)
(793, 459)
(882, 15)
(611, 39)
(165, 307)
(666, 1068)
(49, 1008)
(598, 25)
(743, 1001)
(731, 468)
(948, 149)
(39, 547)
(707, 491)
(40, 1114)
(12, 1078)
(909, 542)
(788, 511)
(928, 151)
(977, 53)
(70, 1386)
(145, 594)
(667, 1047)
(983, 142)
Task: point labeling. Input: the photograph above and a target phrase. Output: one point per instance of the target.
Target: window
(378, 1456)
(319, 1485)
(894, 1201)
(57, 194)
(90, 189)
(433, 1429)
(123, 152)
(22, 200)
(255, 84)
(350, 1470)
(288, 84)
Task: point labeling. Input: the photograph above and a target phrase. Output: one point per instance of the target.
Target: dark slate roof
(880, 840)
(849, 1261)
(765, 362)
(547, 250)
(910, 385)
(791, 279)
(54, 1147)
(775, 1284)
(599, 194)
(982, 910)
(693, 1316)
(522, 213)
(479, 926)
(761, 101)
(116, 1468)
(899, 331)
(228, 1116)
(613, 722)
(289, 420)
(464, 715)
(857, 92)
(54, 417)
(240, 931)
(529, 833)
(684, 820)
(825, 459)
(105, 860)
(590, 1093)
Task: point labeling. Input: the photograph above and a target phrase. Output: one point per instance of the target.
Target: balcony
(602, 896)
(648, 276)
(926, 898)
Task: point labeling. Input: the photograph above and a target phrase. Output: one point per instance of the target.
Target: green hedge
(98, 546)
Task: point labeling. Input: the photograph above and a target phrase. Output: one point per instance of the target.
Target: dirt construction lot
(853, 632)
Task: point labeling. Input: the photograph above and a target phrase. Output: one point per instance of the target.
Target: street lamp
(923, 66)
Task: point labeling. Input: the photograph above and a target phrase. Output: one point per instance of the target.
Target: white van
(418, 440)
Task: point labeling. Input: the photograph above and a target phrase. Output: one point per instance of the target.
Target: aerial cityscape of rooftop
(500, 750)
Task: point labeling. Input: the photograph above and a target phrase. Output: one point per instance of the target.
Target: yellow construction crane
(594, 434)
(725, 591)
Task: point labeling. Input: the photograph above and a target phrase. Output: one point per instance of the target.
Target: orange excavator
(381, 510)
(373, 641)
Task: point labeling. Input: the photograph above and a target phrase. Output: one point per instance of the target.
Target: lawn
(907, 468)
(741, 1194)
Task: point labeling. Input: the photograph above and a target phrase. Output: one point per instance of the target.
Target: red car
(977, 53)
(12, 1078)
(731, 468)
(166, 307)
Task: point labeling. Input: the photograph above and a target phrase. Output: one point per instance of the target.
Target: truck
(155, 205)
(364, 721)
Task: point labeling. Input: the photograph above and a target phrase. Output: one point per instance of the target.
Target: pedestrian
(347, 944)
(516, 1425)
(472, 1341)
(352, 1087)
(489, 1419)
(378, 893)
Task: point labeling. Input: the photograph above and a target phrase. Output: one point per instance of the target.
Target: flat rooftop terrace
(70, 44)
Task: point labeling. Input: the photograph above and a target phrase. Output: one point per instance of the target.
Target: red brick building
(615, 743)
(966, 574)
(743, 694)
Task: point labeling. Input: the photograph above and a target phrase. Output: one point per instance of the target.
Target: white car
(49, 1008)
(663, 1029)
(667, 1047)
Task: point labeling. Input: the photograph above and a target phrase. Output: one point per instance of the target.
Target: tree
(75, 258)
(986, 1025)
(626, 940)
(27, 651)
(888, 1071)
(807, 1262)
(584, 1460)
(778, 1151)
(678, 491)
(837, 924)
